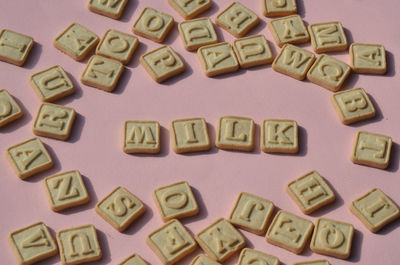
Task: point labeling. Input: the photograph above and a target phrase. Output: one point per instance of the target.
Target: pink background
(217, 177)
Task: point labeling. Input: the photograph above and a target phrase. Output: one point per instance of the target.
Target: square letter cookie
(197, 33)
(14, 47)
(153, 25)
(278, 8)
(203, 260)
(327, 37)
(252, 51)
(288, 29)
(109, 8)
(190, 8)
(218, 59)
(279, 136)
(368, 58)
(250, 256)
(235, 133)
(9, 109)
(142, 137)
(135, 259)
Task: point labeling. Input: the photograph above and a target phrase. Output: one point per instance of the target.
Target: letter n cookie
(14, 47)
(153, 25)
(218, 59)
(235, 133)
(9, 109)
(220, 240)
(32, 244)
(171, 242)
(368, 58)
(190, 135)
(279, 136)
(250, 256)
(142, 137)
(252, 51)
(332, 238)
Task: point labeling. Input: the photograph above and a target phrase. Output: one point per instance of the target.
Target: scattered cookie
(314, 262)
(162, 63)
(109, 8)
(332, 238)
(220, 240)
(252, 51)
(252, 213)
(375, 210)
(142, 137)
(52, 83)
(371, 149)
(197, 33)
(250, 256)
(368, 58)
(353, 105)
(54, 121)
(218, 59)
(76, 41)
(153, 25)
(135, 259)
(175, 201)
(9, 109)
(32, 244)
(237, 19)
(102, 73)
(203, 260)
(171, 242)
(289, 29)
(310, 192)
(14, 47)
(289, 231)
(66, 190)
(29, 157)
(235, 133)
(79, 245)
(190, 8)
(117, 45)
(293, 61)
(328, 37)
(279, 136)
(278, 8)
(328, 72)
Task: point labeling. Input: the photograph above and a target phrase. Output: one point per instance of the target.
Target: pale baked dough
(277, 8)
(134, 259)
(109, 8)
(14, 47)
(279, 136)
(153, 25)
(252, 51)
(217, 59)
(197, 33)
(203, 260)
(190, 8)
(235, 133)
(141, 137)
(289, 29)
(249, 256)
(368, 58)
(328, 37)
(9, 109)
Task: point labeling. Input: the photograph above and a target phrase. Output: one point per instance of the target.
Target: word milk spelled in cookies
(109, 8)
(289, 231)
(142, 137)
(189, 135)
(249, 256)
(190, 8)
(171, 242)
(76, 41)
(9, 109)
(218, 59)
(252, 51)
(79, 245)
(29, 157)
(135, 259)
(279, 136)
(277, 8)
(235, 133)
(368, 58)
(14, 47)
(66, 190)
(120, 208)
(153, 25)
(375, 209)
(332, 238)
(118, 46)
(289, 29)
(220, 240)
(372, 149)
(327, 37)
(197, 32)
(32, 244)
(252, 213)
(203, 260)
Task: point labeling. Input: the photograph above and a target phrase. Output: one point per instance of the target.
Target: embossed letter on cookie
(279, 136)
(189, 135)
(142, 137)
(14, 47)
(9, 109)
(218, 59)
(252, 51)
(153, 25)
(368, 58)
(235, 133)
(197, 33)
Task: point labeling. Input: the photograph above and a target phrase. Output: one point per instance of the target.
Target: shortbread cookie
(314, 262)
(120, 208)
(293, 61)
(289, 231)
(117, 45)
(14, 47)
(279, 136)
(252, 51)
(142, 137)
(135, 259)
(175, 201)
(76, 41)
(218, 59)
(235, 133)
(109, 8)
(189, 135)
(29, 157)
(197, 33)
(332, 238)
(162, 63)
(237, 19)
(66, 190)
(203, 260)
(102, 73)
(153, 25)
(310, 192)
(78, 245)
(9, 109)
(289, 29)
(54, 121)
(190, 8)
(371, 149)
(220, 240)
(368, 58)
(375, 210)
(32, 244)
(171, 242)
(353, 105)
(252, 213)
(52, 83)
(327, 37)
(250, 256)
(277, 8)
(328, 72)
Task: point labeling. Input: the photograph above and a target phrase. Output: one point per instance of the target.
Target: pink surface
(217, 177)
